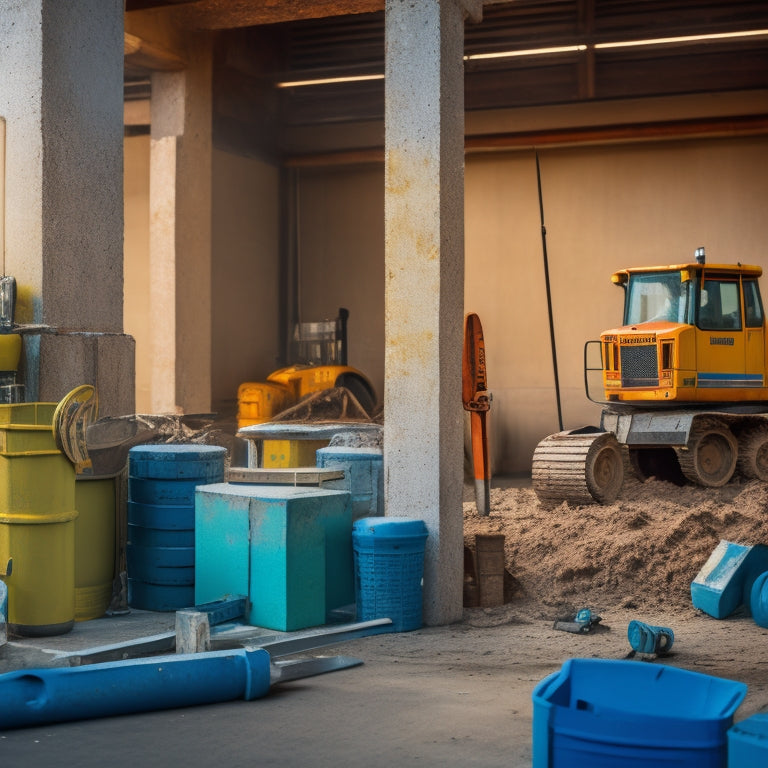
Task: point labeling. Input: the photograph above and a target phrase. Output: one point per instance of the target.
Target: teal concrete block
(363, 476)
(725, 581)
(222, 545)
(288, 548)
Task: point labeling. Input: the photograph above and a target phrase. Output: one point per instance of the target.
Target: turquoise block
(287, 548)
(363, 476)
(725, 581)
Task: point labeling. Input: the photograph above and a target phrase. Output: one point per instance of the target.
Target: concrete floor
(458, 695)
(435, 696)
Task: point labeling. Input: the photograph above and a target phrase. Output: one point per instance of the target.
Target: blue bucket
(748, 742)
(604, 713)
(389, 570)
(161, 521)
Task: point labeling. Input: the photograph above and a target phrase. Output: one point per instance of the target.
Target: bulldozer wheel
(753, 453)
(605, 470)
(359, 389)
(710, 457)
(578, 467)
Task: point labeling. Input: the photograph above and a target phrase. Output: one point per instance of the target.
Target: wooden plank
(284, 476)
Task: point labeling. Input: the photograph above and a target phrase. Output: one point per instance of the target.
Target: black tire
(604, 469)
(710, 457)
(753, 453)
(360, 388)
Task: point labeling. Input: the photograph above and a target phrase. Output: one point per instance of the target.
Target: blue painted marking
(730, 380)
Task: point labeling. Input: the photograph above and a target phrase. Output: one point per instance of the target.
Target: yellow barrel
(37, 522)
(95, 530)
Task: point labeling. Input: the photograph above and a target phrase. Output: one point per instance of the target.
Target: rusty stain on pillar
(424, 285)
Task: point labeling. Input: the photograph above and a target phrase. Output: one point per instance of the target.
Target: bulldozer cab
(691, 332)
(718, 298)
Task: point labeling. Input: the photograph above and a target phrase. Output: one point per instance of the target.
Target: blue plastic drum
(161, 521)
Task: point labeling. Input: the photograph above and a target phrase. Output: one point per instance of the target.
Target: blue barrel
(389, 569)
(161, 521)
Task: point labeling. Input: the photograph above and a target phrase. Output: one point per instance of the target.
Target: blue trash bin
(389, 569)
(608, 712)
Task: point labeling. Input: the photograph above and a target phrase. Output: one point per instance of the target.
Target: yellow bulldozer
(684, 387)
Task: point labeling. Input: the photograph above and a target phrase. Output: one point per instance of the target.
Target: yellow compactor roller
(322, 373)
(684, 387)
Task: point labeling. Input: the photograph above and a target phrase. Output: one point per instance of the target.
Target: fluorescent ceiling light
(328, 80)
(543, 52)
(526, 52)
(685, 39)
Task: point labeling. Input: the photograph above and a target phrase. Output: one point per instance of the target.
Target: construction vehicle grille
(639, 366)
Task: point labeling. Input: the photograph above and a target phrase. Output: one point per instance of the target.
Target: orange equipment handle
(474, 393)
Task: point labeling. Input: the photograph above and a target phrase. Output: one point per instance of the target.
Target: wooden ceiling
(354, 45)
(235, 14)
(262, 42)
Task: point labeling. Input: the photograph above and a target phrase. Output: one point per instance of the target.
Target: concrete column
(179, 299)
(61, 95)
(424, 278)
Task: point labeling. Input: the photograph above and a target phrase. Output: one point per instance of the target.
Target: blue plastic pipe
(40, 696)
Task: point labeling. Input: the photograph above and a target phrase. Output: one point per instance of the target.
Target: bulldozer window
(753, 306)
(656, 297)
(719, 306)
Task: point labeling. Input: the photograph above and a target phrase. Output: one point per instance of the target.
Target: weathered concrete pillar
(179, 300)
(424, 278)
(61, 96)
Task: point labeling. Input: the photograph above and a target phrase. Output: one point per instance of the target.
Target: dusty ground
(634, 559)
(640, 553)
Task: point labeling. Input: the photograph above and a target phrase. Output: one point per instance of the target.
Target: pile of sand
(641, 552)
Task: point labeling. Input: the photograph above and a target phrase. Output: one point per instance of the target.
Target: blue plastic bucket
(389, 570)
(161, 521)
(758, 600)
(603, 713)
(748, 742)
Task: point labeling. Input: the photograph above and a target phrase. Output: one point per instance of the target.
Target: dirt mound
(641, 552)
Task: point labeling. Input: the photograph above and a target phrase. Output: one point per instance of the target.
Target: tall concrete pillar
(424, 279)
(179, 300)
(61, 94)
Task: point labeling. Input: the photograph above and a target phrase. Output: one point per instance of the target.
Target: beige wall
(341, 262)
(136, 316)
(606, 207)
(246, 291)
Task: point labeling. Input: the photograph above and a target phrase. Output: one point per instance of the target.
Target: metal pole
(549, 296)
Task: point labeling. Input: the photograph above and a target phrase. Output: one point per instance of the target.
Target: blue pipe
(40, 696)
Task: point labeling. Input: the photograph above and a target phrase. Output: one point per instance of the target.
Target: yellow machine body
(684, 387)
(708, 345)
(259, 402)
